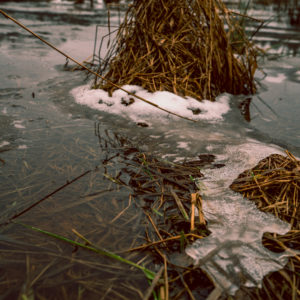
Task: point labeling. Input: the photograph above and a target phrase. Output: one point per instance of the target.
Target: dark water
(46, 139)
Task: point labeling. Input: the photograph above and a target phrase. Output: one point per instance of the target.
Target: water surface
(47, 139)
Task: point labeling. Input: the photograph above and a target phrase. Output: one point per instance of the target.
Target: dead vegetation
(191, 48)
(169, 198)
(274, 185)
(146, 214)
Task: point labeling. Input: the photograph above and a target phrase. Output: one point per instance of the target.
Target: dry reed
(274, 185)
(163, 190)
(191, 48)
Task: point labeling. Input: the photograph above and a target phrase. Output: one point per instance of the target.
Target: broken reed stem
(151, 180)
(155, 228)
(216, 293)
(200, 210)
(291, 156)
(187, 288)
(154, 282)
(283, 246)
(262, 192)
(166, 278)
(243, 15)
(45, 198)
(121, 212)
(87, 242)
(177, 237)
(193, 203)
(180, 205)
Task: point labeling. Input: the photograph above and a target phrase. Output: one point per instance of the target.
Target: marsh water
(47, 140)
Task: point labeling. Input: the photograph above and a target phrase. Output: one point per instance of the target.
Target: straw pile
(181, 47)
(274, 185)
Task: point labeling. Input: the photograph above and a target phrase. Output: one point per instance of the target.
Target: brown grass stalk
(187, 45)
(177, 237)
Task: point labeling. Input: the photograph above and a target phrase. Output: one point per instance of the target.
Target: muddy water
(47, 140)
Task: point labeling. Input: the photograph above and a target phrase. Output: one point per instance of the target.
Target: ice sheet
(233, 254)
(280, 77)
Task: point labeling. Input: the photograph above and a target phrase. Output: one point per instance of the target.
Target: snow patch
(139, 111)
(18, 124)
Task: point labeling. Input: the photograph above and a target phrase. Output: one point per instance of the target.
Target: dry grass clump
(274, 185)
(182, 47)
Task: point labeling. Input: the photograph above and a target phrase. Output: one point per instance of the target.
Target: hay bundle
(274, 185)
(182, 47)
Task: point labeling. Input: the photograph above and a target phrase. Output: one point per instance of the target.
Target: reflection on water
(46, 139)
(279, 30)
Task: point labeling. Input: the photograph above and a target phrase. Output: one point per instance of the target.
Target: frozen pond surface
(47, 119)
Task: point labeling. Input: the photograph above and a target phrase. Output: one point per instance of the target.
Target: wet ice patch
(4, 143)
(233, 254)
(183, 145)
(276, 79)
(18, 124)
(138, 111)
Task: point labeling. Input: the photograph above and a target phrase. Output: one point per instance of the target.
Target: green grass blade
(149, 274)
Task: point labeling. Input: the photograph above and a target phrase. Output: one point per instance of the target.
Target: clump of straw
(274, 185)
(191, 48)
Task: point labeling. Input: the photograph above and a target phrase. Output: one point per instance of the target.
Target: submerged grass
(135, 212)
(89, 205)
(89, 246)
(125, 205)
(168, 197)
